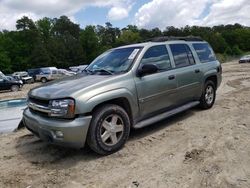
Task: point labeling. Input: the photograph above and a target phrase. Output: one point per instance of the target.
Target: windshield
(114, 61)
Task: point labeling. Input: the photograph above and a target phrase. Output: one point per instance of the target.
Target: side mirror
(147, 69)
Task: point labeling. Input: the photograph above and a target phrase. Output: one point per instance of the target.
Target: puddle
(11, 114)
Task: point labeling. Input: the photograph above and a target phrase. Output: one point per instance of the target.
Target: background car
(66, 72)
(10, 84)
(24, 76)
(78, 69)
(245, 59)
(34, 72)
(52, 73)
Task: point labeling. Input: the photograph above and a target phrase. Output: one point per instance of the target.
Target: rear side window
(157, 55)
(204, 52)
(182, 55)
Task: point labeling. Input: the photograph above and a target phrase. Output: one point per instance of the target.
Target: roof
(164, 39)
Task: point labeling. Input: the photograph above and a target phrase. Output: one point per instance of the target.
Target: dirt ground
(193, 149)
(5, 95)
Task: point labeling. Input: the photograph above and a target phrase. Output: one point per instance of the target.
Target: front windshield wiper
(102, 69)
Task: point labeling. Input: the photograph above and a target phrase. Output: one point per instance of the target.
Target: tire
(14, 88)
(108, 121)
(43, 80)
(208, 95)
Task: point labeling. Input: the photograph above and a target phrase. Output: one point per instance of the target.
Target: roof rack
(170, 38)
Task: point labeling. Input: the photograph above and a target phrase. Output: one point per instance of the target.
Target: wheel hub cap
(209, 95)
(112, 129)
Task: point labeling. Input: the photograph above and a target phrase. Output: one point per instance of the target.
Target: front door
(156, 91)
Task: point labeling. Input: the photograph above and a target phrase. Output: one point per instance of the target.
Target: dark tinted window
(204, 52)
(182, 55)
(157, 55)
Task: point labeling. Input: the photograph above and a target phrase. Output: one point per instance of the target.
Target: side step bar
(165, 115)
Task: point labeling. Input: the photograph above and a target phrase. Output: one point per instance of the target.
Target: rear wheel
(208, 95)
(109, 129)
(43, 80)
(14, 88)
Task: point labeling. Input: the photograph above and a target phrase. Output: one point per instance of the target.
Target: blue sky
(98, 15)
(143, 13)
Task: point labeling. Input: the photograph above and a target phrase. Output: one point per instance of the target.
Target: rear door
(188, 73)
(156, 91)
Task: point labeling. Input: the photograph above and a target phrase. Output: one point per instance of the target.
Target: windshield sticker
(133, 54)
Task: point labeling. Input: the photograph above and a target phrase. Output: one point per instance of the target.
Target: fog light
(59, 134)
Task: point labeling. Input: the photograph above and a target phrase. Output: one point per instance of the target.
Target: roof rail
(171, 38)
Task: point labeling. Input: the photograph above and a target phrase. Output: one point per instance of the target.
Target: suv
(127, 87)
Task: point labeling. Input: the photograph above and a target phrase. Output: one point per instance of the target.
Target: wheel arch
(121, 97)
(212, 78)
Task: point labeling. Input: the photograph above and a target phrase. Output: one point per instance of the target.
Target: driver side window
(157, 55)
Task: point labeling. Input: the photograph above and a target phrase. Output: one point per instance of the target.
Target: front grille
(39, 106)
(43, 102)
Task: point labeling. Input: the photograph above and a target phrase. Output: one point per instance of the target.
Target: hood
(67, 86)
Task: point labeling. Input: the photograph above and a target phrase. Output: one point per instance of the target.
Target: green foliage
(128, 37)
(236, 50)
(90, 42)
(62, 43)
(5, 62)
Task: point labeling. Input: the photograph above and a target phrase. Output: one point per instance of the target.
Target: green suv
(127, 87)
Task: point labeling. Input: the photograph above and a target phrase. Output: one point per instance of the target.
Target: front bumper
(73, 133)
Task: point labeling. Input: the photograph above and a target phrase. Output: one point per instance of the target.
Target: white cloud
(11, 10)
(162, 13)
(117, 13)
(228, 12)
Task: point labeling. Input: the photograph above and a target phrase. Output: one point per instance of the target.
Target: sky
(143, 13)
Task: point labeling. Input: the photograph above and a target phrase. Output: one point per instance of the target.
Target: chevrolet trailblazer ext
(127, 87)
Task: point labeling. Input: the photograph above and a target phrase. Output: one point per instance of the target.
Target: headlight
(64, 108)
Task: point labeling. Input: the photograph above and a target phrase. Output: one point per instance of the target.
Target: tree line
(60, 42)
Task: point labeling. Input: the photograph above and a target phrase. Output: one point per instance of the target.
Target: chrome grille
(39, 106)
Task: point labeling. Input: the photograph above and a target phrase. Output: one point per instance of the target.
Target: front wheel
(109, 129)
(208, 95)
(43, 80)
(14, 88)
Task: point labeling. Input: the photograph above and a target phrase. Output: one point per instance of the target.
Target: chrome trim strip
(39, 108)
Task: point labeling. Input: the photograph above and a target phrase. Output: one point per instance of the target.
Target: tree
(5, 62)
(25, 24)
(128, 37)
(90, 44)
(44, 27)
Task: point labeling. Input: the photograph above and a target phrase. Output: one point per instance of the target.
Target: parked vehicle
(11, 78)
(24, 76)
(34, 72)
(66, 72)
(127, 87)
(78, 69)
(245, 59)
(48, 74)
(7, 83)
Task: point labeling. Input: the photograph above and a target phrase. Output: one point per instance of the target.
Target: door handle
(171, 77)
(197, 70)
